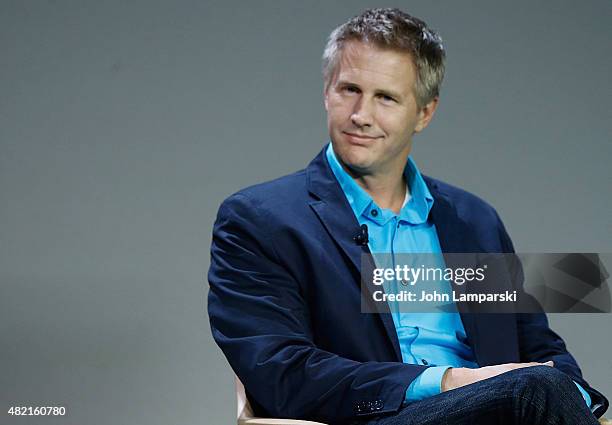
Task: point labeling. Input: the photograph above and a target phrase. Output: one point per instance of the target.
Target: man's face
(371, 109)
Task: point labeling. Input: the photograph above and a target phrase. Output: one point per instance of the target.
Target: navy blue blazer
(285, 308)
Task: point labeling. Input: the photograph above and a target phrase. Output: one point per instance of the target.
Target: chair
(245, 412)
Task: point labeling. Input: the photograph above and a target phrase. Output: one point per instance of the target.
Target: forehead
(365, 63)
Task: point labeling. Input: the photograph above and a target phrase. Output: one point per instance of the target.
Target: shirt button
(424, 362)
(374, 213)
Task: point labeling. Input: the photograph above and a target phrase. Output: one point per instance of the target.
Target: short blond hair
(393, 29)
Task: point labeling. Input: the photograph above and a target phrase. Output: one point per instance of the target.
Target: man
(285, 300)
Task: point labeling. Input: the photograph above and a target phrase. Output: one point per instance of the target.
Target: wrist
(445, 384)
(452, 378)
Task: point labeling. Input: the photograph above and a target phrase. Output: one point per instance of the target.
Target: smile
(359, 138)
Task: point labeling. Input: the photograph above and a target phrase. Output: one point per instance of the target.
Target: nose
(362, 113)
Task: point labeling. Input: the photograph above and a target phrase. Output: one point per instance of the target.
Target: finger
(522, 365)
(530, 364)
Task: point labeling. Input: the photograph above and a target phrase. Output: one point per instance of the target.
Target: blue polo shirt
(437, 340)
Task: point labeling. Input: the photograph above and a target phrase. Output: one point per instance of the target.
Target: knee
(543, 382)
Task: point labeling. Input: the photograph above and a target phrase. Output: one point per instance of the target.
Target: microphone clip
(361, 238)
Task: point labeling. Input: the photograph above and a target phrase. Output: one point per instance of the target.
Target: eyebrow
(383, 92)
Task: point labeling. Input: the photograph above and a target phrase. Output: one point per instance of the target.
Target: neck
(385, 184)
(388, 191)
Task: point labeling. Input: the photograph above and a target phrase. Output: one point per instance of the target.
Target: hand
(458, 377)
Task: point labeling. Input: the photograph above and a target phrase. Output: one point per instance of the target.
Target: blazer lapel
(456, 236)
(335, 213)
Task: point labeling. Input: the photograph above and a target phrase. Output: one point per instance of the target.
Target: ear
(425, 115)
(325, 95)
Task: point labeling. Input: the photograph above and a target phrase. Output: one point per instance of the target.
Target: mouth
(359, 138)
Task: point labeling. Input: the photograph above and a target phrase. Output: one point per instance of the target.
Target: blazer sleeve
(260, 320)
(539, 343)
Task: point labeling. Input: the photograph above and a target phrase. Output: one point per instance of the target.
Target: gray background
(124, 124)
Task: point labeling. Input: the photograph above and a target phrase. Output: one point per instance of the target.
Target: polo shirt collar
(415, 211)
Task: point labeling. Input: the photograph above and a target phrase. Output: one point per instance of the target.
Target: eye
(386, 98)
(350, 89)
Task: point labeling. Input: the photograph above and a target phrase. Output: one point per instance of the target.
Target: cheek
(396, 124)
(336, 114)
(386, 124)
(338, 106)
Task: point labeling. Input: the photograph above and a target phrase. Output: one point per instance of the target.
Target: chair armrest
(245, 413)
(270, 421)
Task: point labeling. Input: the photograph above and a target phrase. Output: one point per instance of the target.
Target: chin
(357, 158)
(356, 164)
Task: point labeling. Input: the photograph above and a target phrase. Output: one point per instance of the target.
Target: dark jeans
(531, 396)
